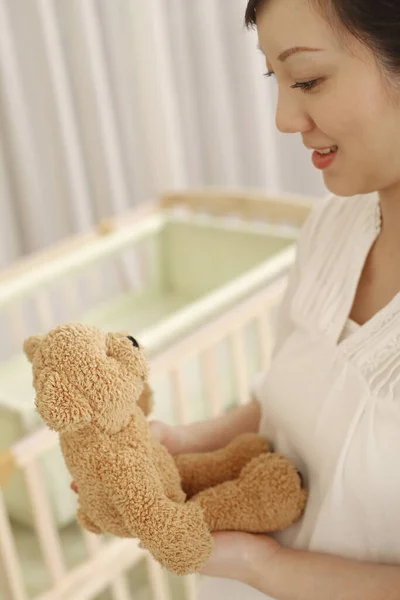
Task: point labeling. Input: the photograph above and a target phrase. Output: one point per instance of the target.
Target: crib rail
(249, 204)
(62, 283)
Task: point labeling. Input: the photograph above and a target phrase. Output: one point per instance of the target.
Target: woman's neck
(390, 211)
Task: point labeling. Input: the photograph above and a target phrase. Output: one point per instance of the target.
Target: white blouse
(331, 398)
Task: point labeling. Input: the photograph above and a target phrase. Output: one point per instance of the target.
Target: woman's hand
(280, 572)
(177, 439)
(210, 435)
(239, 556)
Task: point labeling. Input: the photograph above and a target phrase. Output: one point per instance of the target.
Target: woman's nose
(291, 117)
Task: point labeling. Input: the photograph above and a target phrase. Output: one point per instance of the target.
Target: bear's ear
(31, 344)
(60, 406)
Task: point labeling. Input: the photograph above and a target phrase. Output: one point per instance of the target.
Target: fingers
(157, 429)
(168, 436)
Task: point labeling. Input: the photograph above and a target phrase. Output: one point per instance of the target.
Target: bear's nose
(134, 342)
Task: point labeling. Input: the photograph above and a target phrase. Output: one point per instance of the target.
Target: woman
(331, 399)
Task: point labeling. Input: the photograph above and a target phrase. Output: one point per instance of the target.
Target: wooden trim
(103, 228)
(7, 467)
(249, 204)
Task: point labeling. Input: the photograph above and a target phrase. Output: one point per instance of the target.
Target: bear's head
(84, 376)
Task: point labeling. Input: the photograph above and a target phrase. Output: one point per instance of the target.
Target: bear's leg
(200, 471)
(268, 496)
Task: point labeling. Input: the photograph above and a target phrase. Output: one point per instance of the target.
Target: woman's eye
(306, 86)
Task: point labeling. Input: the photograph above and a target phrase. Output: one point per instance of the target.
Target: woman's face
(334, 96)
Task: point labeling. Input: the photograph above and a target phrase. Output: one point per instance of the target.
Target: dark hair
(376, 23)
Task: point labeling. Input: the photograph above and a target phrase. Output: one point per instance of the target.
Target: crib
(197, 277)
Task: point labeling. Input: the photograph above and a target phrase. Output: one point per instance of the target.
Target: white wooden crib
(197, 277)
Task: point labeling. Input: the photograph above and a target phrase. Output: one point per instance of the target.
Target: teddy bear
(92, 387)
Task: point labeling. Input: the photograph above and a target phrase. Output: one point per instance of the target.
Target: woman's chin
(343, 186)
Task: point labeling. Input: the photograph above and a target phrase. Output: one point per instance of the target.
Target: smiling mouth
(324, 151)
(324, 157)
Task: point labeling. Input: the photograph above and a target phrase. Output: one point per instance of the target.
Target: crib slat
(120, 589)
(216, 329)
(265, 337)
(29, 448)
(9, 563)
(179, 397)
(240, 369)
(91, 577)
(211, 381)
(45, 527)
(190, 587)
(159, 588)
(92, 542)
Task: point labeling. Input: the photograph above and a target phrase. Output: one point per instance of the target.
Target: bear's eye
(134, 342)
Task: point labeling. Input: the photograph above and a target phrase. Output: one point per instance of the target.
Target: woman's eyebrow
(296, 50)
(291, 51)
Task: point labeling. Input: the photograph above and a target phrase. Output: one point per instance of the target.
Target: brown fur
(92, 388)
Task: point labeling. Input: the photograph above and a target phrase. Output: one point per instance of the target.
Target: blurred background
(106, 103)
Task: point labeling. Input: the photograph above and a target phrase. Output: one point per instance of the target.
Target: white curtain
(106, 103)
